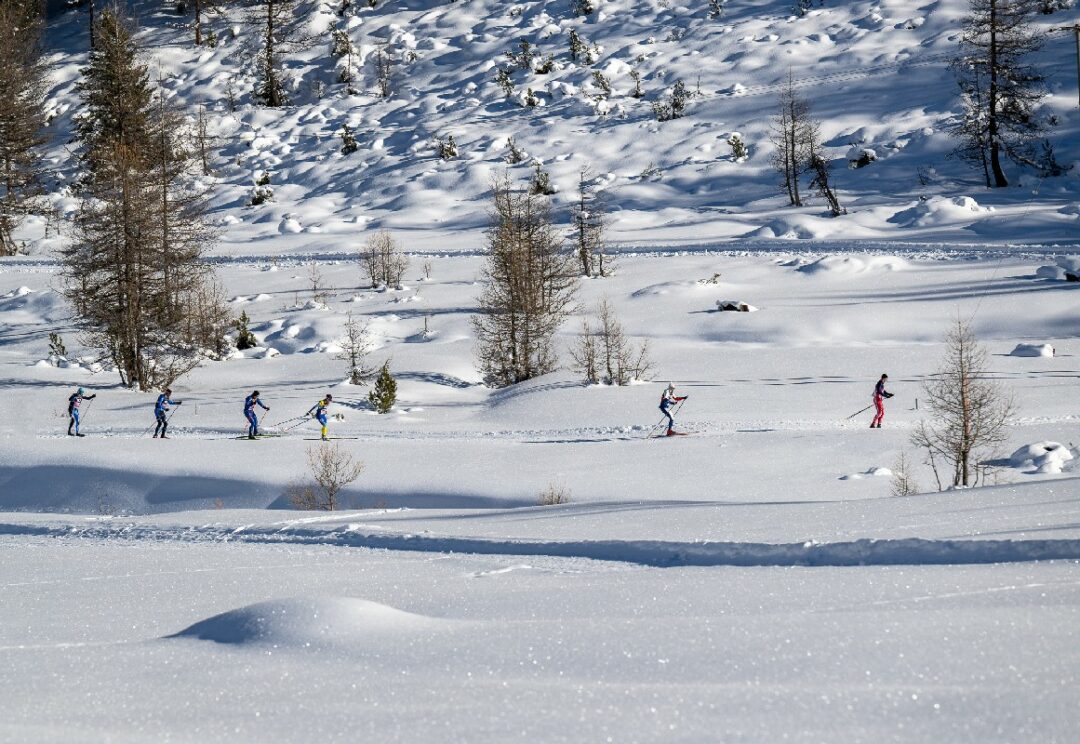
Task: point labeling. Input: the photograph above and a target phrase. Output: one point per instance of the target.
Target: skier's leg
(164, 421)
(253, 424)
(71, 423)
(671, 421)
(75, 420)
(879, 413)
(322, 420)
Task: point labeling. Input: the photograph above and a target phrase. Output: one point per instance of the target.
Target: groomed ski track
(654, 553)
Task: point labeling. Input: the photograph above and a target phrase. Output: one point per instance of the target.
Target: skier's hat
(329, 397)
(80, 391)
(255, 393)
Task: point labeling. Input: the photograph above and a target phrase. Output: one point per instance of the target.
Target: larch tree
(22, 117)
(588, 224)
(1000, 89)
(793, 135)
(969, 412)
(528, 288)
(142, 296)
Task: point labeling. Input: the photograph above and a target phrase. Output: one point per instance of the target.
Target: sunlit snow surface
(753, 582)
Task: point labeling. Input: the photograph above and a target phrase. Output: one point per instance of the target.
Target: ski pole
(860, 411)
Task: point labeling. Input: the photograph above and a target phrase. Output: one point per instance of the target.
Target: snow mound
(735, 306)
(877, 472)
(1043, 457)
(851, 265)
(1032, 350)
(1065, 268)
(940, 210)
(301, 623)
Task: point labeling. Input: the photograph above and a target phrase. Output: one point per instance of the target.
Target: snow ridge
(655, 553)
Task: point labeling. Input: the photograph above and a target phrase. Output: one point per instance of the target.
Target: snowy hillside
(876, 75)
(539, 562)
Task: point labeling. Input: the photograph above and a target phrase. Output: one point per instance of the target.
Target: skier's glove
(889, 395)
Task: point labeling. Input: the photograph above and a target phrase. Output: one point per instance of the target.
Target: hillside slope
(875, 73)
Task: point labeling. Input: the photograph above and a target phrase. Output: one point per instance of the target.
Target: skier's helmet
(80, 391)
(168, 391)
(671, 386)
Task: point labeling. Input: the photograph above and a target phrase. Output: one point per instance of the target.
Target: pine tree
(276, 20)
(245, 339)
(1000, 91)
(349, 144)
(384, 394)
(22, 118)
(529, 284)
(116, 93)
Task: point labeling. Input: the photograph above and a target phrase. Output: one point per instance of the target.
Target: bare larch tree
(793, 134)
(529, 283)
(969, 411)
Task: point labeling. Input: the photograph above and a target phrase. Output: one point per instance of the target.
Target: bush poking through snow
(523, 58)
(578, 48)
(514, 154)
(636, 91)
(245, 339)
(675, 106)
(903, 479)
(738, 147)
(332, 469)
(384, 261)
(447, 149)
(384, 395)
(541, 182)
(584, 7)
(349, 145)
(554, 495)
(502, 79)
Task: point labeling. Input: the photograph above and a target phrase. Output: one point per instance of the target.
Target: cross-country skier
(74, 402)
(667, 400)
(880, 394)
(249, 413)
(319, 412)
(161, 412)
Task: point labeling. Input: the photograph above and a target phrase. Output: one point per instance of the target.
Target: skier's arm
(263, 405)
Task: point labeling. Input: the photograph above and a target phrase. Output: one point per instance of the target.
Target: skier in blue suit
(74, 401)
(249, 413)
(161, 412)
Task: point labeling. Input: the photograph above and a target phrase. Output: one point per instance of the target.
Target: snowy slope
(876, 74)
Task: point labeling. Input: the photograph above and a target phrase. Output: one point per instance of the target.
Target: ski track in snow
(654, 553)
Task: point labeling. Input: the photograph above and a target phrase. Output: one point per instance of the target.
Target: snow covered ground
(755, 581)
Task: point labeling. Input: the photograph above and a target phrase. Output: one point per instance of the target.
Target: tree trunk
(992, 110)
